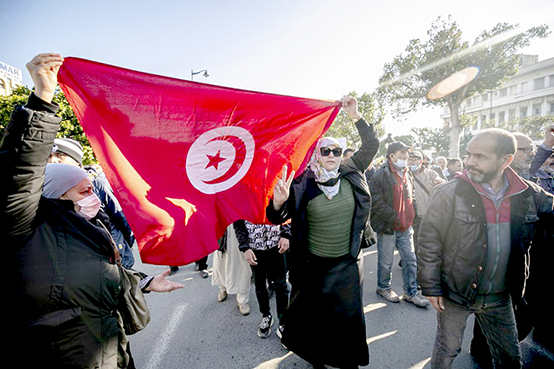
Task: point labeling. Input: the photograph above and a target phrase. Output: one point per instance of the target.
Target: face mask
(90, 206)
(414, 168)
(400, 163)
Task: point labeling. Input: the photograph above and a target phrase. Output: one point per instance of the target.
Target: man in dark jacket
(392, 216)
(473, 248)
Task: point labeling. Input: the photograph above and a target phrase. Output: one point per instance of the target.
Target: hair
(347, 151)
(451, 161)
(505, 142)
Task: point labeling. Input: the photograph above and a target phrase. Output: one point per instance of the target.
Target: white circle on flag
(219, 159)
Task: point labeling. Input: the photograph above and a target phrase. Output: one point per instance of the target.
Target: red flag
(187, 159)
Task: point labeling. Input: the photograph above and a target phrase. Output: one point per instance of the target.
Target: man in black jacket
(473, 248)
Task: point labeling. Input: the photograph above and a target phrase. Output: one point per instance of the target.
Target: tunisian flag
(187, 159)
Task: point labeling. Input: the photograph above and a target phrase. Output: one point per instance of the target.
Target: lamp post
(387, 141)
(192, 74)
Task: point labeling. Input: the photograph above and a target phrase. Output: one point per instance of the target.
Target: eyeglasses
(325, 151)
(527, 150)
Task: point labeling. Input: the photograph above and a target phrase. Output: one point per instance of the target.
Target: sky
(320, 49)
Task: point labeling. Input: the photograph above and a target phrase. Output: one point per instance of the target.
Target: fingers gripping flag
(187, 159)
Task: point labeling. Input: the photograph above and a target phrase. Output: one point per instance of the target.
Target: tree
(69, 126)
(369, 108)
(408, 78)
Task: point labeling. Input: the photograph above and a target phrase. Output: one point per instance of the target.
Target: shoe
(221, 295)
(244, 308)
(204, 273)
(389, 295)
(264, 329)
(174, 270)
(417, 299)
(279, 331)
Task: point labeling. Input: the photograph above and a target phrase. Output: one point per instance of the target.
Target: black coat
(63, 282)
(304, 189)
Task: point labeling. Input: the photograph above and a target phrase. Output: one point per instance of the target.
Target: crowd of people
(463, 228)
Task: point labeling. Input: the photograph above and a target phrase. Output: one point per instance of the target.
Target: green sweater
(330, 223)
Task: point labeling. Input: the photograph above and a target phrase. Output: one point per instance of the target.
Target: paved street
(190, 329)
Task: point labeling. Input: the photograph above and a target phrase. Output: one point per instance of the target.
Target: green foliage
(8, 103)
(69, 126)
(343, 126)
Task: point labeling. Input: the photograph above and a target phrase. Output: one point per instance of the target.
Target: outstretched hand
(160, 284)
(44, 72)
(281, 190)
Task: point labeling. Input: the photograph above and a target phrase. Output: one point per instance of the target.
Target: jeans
(386, 243)
(271, 268)
(497, 322)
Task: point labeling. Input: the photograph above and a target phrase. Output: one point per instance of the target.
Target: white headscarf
(59, 178)
(323, 175)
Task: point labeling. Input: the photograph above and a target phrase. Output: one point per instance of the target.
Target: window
(493, 116)
(536, 110)
(501, 117)
(483, 118)
(503, 92)
(468, 102)
(538, 83)
(524, 86)
(523, 112)
(512, 90)
(485, 97)
(551, 80)
(511, 114)
(551, 108)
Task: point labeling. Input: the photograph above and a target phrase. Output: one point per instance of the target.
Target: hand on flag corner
(44, 72)
(281, 190)
(350, 107)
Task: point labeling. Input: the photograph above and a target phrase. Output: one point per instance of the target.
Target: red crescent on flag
(240, 154)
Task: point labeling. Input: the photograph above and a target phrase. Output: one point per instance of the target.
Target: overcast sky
(310, 48)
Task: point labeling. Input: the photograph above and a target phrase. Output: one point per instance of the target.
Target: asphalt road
(191, 329)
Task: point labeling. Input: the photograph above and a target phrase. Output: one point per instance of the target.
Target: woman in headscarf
(329, 207)
(63, 280)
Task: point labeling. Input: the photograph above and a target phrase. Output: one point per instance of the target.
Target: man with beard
(473, 245)
(524, 155)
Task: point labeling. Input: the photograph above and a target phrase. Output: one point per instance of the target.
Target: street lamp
(387, 141)
(192, 73)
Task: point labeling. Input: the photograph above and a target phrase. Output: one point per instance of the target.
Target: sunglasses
(325, 151)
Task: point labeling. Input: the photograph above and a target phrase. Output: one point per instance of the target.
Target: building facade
(10, 78)
(529, 93)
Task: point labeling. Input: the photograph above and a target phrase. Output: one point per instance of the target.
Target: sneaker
(204, 273)
(264, 329)
(244, 308)
(389, 295)
(417, 299)
(279, 331)
(221, 295)
(174, 269)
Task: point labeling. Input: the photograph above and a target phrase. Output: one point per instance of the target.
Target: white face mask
(90, 206)
(414, 168)
(400, 163)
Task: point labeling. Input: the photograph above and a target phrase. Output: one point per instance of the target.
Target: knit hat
(69, 147)
(59, 178)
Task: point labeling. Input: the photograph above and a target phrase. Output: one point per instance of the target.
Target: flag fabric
(187, 159)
